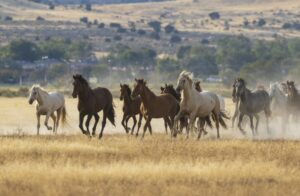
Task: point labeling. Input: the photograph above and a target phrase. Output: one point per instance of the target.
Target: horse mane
(81, 79)
(241, 80)
(173, 91)
(128, 89)
(37, 86)
(188, 75)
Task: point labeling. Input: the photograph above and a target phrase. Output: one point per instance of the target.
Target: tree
(168, 67)
(24, 50)
(88, 7)
(155, 25)
(214, 15)
(169, 28)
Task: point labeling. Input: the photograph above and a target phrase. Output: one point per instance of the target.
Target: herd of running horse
(179, 107)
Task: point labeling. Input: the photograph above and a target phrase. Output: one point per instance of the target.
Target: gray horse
(251, 103)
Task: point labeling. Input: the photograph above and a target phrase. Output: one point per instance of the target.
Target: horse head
(125, 90)
(197, 86)
(239, 88)
(33, 94)
(169, 89)
(79, 85)
(138, 87)
(185, 80)
(291, 89)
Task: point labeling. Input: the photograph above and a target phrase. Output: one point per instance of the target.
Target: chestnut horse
(90, 102)
(155, 106)
(131, 107)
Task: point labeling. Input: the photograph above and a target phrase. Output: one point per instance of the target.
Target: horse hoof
(49, 128)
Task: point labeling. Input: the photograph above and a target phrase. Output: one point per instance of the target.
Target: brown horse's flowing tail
(64, 115)
(110, 113)
(221, 120)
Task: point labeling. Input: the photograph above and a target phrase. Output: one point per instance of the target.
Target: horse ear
(162, 88)
(136, 79)
(74, 77)
(120, 85)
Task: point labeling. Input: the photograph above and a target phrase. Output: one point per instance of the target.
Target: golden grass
(122, 165)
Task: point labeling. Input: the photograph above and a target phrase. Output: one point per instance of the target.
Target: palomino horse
(184, 121)
(278, 103)
(162, 106)
(221, 99)
(197, 104)
(90, 102)
(251, 103)
(293, 100)
(48, 104)
(131, 107)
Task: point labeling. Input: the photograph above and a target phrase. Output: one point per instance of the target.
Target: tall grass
(124, 165)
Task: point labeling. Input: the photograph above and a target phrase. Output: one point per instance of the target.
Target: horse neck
(127, 98)
(245, 95)
(187, 93)
(42, 97)
(85, 94)
(147, 95)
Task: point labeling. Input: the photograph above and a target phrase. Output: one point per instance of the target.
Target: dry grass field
(72, 164)
(123, 165)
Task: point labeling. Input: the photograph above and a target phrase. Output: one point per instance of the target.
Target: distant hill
(63, 2)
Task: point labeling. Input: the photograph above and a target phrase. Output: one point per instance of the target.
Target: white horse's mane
(37, 86)
(187, 74)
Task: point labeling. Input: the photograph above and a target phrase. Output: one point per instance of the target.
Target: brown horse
(169, 89)
(90, 102)
(131, 107)
(162, 106)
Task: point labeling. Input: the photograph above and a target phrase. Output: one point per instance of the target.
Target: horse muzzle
(30, 101)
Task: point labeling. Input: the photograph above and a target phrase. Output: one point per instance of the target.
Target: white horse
(279, 103)
(48, 104)
(197, 104)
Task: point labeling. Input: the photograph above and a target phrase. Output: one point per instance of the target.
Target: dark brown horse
(162, 106)
(169, 89)
(293, 100)
(92, 101)
(131, 107)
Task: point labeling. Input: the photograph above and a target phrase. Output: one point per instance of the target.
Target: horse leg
(87, 124)
(134, 123)
(103, 124)
(257, 122)
(58, 118)
(54, 121)
(126, 124)
(176, 118)
(217, 117)
(200, 124)
(96, 116)
(145, 126)
(139, 124)
(46, 121)
(38, 117)
(239, 124)
(81, 117)
(169, 123)
(166, 119)
(191, 124)
(123, 122)
(267, 123)
(251, 124)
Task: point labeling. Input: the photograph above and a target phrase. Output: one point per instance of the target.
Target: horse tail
(64, 115)
(110, 113)
(221, 120)
(208, 121)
